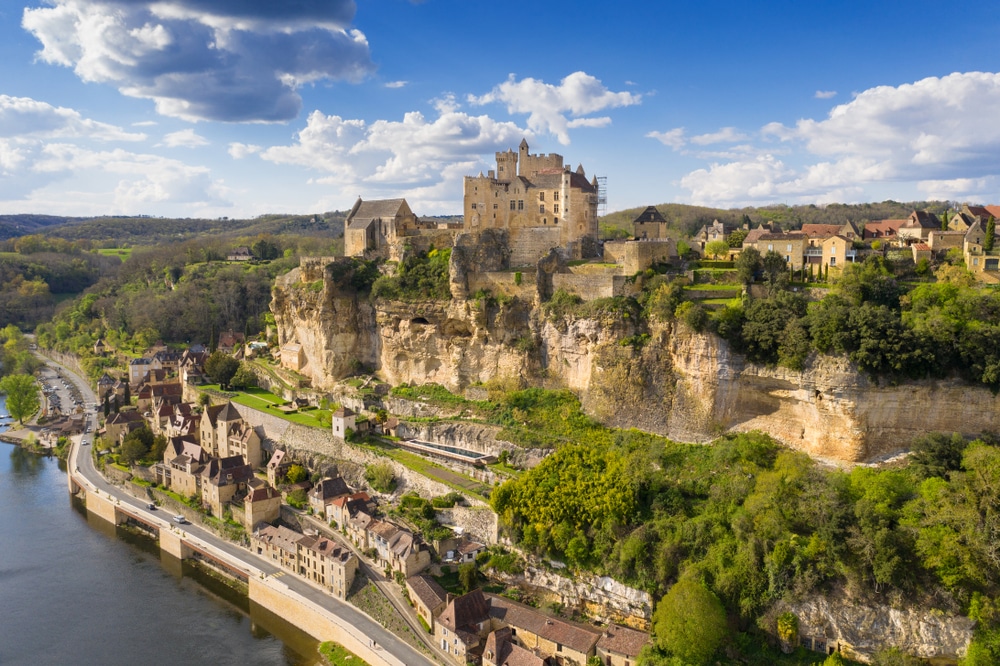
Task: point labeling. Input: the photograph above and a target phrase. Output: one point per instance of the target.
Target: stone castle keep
(539, 203)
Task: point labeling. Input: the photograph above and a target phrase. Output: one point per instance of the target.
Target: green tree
(381, 477)
(991, 230)
(467, 574)
(296, 474)
(717, 248)
(775, 269)
(736, 238)
(128, 394)
(690, 622)
(107, 406)
(747, 264)
(22, 395)
(221, 367)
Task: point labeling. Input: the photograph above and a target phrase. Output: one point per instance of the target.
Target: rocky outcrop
(659, 378)
(859, 629)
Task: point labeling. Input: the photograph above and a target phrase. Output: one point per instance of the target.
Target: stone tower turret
(506, 166)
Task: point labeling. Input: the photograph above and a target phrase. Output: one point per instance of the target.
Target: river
(76, 590)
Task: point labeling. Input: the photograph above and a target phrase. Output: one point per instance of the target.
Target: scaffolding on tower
(602, 195)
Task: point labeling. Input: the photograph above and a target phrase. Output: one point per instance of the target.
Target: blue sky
(209, 108)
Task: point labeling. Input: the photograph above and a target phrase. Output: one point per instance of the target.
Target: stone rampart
(589, 287)
(507, 283)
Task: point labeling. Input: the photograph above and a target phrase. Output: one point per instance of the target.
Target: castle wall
(589, 287)
(506, 283)
(528, 244)
(636, 256)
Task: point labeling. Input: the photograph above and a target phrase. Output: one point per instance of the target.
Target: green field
(123, 252)
(337, 655)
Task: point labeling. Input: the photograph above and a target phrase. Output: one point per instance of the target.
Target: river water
(75, 590)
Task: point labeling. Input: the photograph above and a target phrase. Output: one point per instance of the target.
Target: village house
(568, 643)
(711, 232)
(342, 509)
(240, 254)
(292, 356)
(343, 420)
(277, 467)
(791, 246)
(221, 480)
(262, 505)
(147, 394)
(105, 385)
(501, 649)
(121, 424)
(427, 596)
(462, 626)
(983, 264)
(917, 227)
(325, 492)
(822, 231)
(229, 341)
(620, 646)
(883, 230)
(315, 558)
(166, 360)
(183, 462)
(243, 440)
(137, 369)
(357, 529)
(100, 348)
(397, 549)
(326, 563)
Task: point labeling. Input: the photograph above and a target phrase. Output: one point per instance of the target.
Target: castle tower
(523, 148)
(506, 166)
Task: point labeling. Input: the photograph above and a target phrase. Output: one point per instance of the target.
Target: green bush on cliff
(421, 276)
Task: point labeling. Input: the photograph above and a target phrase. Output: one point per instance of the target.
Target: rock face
(660, 378)
(860, 629)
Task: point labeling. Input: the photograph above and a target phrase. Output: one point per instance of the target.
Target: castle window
(512, 204)
(473, 206)
(555, 196)
(541, 209)
(495, 206)
(555, 208)
(520, 204)
(555, 220)
(541, 196)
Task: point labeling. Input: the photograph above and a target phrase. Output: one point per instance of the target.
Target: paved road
(82, 463)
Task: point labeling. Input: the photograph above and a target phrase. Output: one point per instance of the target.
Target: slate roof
(228, 413)
(343, 412)
(507, 653)
(427, 590)
(651, 214)
(466, 612)
(330, 488)
(622, 640)
(528, 619)
(264, 493)
(373, 210)
(280, 536)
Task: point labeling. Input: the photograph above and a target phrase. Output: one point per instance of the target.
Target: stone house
(342, 509)
(100, 349)
(711, 232)
(791, 246)
(837, 251)
(105, 385)
(649, 224)
(397, 549)
(538, 201)
(984, 265)
(224, 434)
(278, 544)
(357, 529)
(917, 227)
(137, 369)
(325, 492)
(427, 596)
(343, 420)
(848, 230)
(501, 649)
(121, 424)
(262, 505)
(372, 225)
(277, 467)
(462, 626)
(883, 230)
(942, 241)
(240, 254)
(326, 563)
(620, 646)
(292, 356)
(243, 440)
(183, 462)
(229, 341)
(221, 480)
(567, 643)
(171, 393)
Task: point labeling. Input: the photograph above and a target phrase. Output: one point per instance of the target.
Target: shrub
(381, 477)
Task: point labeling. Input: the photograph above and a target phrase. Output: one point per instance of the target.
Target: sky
(239, 108)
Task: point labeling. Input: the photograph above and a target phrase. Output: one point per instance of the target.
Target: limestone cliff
(660, 378)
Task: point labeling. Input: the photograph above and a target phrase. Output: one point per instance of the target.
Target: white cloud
(202, 60)
(239, 150)
(672, 139)
(549, 106)
(724, 135)
(26, 118)
(416, 157)
(937, 135)
(397, 84)
(186, 138)
(961, 189)
(145, 123)
(825, 94)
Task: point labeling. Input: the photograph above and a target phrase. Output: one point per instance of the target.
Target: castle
(540, 203)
